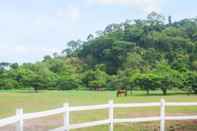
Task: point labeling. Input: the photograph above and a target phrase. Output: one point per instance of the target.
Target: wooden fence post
(111, 115)
(66, 117)
(19, 115)
(162, 115)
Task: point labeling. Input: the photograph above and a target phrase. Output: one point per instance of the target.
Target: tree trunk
(131, 92)
(195, 91)
(164, 91)
(36, 89)
(148, 92)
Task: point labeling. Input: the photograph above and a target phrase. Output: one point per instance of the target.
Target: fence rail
(66, 110)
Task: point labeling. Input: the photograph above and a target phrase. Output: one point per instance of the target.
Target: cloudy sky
(30, 29)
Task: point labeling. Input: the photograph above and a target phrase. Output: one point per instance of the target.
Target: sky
(31, 29)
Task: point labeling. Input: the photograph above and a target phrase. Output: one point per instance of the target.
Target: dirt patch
(44, 124)
(41, 124)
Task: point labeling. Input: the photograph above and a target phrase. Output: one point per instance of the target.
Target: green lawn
(45, 100)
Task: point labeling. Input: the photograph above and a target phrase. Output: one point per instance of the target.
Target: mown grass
(45, 100)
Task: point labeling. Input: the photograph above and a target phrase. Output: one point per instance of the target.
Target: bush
(67, 85)
(8, 84)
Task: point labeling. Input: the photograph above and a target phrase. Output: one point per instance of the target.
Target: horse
(120, 92)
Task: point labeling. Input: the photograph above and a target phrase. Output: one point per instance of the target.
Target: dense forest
(155, 53)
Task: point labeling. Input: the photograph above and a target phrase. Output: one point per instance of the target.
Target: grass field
(45, 100)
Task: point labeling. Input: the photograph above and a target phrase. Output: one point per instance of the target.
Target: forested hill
(154, 53)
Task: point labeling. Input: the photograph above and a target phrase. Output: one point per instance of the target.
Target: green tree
(167, 78)
(96, 79)
(191, 81)
(147, 81)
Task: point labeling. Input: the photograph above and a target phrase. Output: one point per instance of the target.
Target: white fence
(66, 110)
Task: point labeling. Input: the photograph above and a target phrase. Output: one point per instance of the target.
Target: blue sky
(31, 29)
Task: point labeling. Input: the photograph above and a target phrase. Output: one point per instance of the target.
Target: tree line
(144, 54)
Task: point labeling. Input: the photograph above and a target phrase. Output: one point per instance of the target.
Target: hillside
(147, 54)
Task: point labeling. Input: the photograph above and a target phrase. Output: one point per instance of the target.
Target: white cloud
(24, 53)
(70, 12)
(145, 5)
(23, 50)
(28, 36)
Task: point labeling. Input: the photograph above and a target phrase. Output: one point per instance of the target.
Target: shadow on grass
(134, 93)
(21, 91)
(160, 94)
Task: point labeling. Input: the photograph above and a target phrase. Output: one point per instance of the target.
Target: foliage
(145, 54)
(95, 79)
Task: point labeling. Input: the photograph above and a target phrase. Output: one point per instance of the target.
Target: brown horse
(121, 92)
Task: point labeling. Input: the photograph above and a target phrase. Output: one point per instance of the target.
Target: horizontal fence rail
(43, 113)
(86, 108)
(19, 118)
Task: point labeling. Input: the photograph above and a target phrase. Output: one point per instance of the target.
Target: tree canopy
(147, 54)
